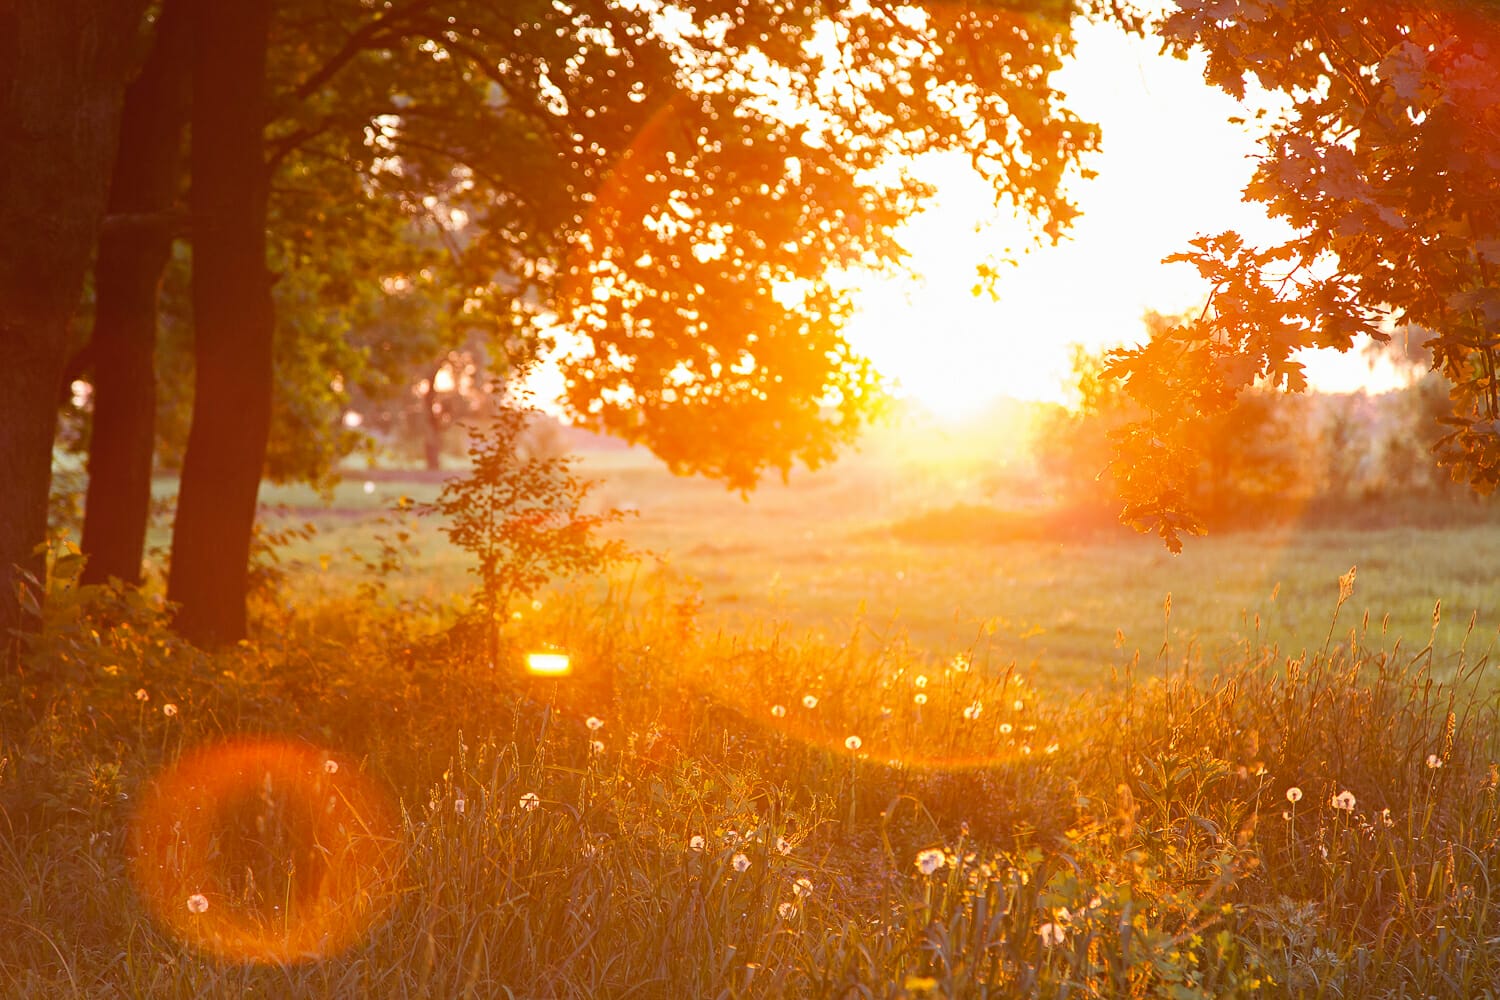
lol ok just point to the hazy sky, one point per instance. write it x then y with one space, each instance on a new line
1172 168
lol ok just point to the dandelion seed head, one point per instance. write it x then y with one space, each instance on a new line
1294 795
741 863
169 710
141 694
530 801
961 663
1344 800
594 723
783 846
1434 762
459 805
809 701
920 699
787 910
971 712
802 887
929 861
921 680
197 903
778 710
853 743
697 843
1052 935
330 766
1005 727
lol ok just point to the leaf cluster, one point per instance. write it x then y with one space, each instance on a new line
1383 157
522 514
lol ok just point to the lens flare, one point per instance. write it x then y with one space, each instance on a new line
258 851
548 664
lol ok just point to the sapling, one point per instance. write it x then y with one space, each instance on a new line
520 513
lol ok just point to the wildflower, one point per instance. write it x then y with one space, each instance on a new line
1052 935
920 699
783 846
802 887
594 724
696 843
929 861
787 910
809 701
971 712
921 681
778 711
530 801
1344 800
1005 727
169 710
459 805
741 863
853 743
1434 762
197 903
1294 795
141 694
331 766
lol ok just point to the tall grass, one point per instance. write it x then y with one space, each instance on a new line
761 815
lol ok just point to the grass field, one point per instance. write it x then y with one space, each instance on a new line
750 788
832 552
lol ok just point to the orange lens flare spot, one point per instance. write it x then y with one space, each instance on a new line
548 664
263 851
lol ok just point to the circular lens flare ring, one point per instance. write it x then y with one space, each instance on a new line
260 851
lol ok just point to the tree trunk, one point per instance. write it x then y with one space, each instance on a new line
233 319
133 251
63 67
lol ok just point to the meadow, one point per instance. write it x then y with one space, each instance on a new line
816 744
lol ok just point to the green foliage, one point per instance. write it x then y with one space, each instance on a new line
1382 159
521 515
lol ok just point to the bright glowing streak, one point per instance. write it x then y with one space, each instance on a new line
548 664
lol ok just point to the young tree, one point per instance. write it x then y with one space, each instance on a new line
63 68
1386 163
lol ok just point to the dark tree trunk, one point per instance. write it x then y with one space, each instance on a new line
133 251
232 315
432 427
63 68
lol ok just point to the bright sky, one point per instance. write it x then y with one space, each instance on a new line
1172 168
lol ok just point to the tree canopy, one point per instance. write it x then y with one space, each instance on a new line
1384 159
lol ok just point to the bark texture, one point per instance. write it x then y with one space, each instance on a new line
63 69
231 293
134 247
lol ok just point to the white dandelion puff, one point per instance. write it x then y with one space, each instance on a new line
530 801
697 843
1052 935
1344 800
920 699
169 710
853 743
929 861
809 701
330 766
197 903
1294 795
741 863
594 723
778 710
